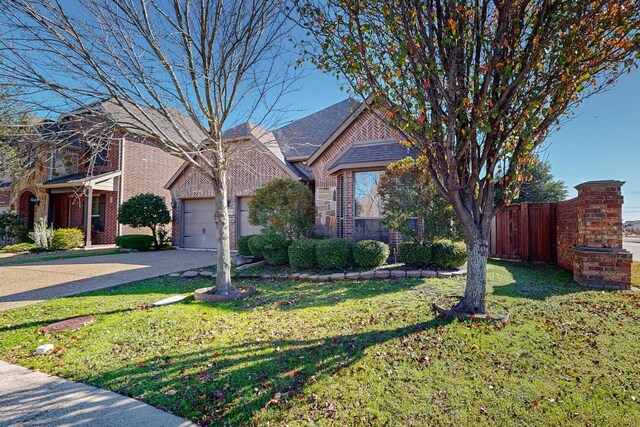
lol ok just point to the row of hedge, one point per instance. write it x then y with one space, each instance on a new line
338 254
309 254
139 242
440 254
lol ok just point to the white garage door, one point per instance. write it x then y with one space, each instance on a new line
246 228
199 230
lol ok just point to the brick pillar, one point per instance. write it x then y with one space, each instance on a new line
598 258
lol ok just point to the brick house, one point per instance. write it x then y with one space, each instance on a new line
339 152
82 167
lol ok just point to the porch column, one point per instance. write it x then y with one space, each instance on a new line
87 215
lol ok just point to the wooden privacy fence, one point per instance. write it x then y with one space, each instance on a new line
526 232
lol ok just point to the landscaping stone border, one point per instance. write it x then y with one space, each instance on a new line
354 276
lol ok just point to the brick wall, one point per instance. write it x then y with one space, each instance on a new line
600 214
250 167
567 232
109 233
598 257
604 268
146 170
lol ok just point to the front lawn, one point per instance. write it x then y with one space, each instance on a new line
345 353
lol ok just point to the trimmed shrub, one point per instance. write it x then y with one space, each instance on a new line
11 228
283 205
67 238
448 254
274 248
255 245
415 254
333 254
302 254
23 247
370 253
145 210
243 245
140 242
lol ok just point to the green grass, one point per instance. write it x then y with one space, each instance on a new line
7 259
363 353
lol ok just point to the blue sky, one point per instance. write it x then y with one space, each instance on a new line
602 141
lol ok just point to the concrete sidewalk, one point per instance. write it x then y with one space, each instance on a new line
30 398
30 283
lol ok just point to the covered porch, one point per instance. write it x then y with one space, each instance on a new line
89 203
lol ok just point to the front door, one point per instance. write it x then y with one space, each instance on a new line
60 210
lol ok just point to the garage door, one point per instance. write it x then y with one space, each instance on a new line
246 228
199 230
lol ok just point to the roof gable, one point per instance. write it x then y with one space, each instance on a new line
301 138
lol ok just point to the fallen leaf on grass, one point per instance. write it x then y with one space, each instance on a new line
171 392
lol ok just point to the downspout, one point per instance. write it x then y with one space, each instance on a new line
121 182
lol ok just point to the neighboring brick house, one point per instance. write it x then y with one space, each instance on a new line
63 185
339 151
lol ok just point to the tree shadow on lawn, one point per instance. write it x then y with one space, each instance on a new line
229 384
299 295
535 281
277 295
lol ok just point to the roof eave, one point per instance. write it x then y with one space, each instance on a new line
379 164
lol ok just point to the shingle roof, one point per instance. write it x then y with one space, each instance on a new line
79 178
146 121
363 153
302 137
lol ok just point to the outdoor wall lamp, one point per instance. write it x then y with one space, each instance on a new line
34 200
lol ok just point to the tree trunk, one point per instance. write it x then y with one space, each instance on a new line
154 233
223 267
473 301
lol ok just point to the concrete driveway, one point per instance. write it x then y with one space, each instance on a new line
633 246
26 284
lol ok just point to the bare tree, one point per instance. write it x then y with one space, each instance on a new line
180 71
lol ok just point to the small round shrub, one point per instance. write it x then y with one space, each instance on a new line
243 245
140 242
370 253
333 254
255 245
302 254
448 254
274 248
415 254
67 238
